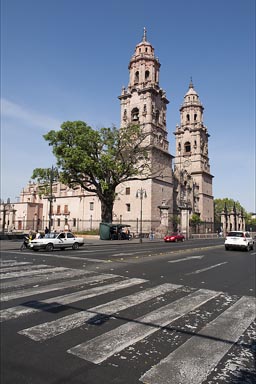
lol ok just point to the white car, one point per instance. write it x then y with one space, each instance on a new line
239 239
57 240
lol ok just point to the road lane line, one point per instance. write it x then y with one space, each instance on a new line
186 259
192 362
100 348
54 287
10 275
205 269
54 302
54 328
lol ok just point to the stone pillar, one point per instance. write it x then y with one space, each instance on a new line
162 230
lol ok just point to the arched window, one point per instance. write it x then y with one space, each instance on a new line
147 75
136 77
135 114
157 116
188 117
187 147
195 117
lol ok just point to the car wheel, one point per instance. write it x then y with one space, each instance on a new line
35 250
49 247
176 240
248 248
183 240
226 247
75 246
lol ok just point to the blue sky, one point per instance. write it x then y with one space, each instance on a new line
68 60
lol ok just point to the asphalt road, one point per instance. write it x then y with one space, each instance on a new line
124 312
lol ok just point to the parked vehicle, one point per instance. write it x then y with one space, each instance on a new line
174 237
239 239
61 240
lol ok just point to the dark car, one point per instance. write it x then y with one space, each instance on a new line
174 237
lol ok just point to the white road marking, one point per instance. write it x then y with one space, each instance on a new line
20 268
186 259
13 264
20 310
54 287
206 269
55 255
10 275
53 328
44 278
196 358
100 348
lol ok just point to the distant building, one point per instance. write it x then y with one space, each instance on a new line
182 188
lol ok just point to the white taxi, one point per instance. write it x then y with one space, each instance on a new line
53 241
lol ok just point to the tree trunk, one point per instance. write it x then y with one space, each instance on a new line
107 210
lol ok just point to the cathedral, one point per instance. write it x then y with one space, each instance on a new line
183 187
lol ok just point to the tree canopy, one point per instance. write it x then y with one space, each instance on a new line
100 160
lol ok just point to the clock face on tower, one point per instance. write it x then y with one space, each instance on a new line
187 163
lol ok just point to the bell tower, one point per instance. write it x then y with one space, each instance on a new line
143 102
192 169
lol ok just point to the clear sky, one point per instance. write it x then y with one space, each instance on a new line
68 60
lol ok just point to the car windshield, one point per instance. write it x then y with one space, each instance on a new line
236 234
50 235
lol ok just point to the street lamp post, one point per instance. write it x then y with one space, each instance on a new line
51 197
141 193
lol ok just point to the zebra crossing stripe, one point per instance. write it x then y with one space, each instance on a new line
100 348
44 278
192 362
11 275
17 268
55 287
53 328
44 305
13 264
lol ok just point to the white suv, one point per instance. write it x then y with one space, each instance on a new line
239 239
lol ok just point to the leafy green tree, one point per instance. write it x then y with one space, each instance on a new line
195 220
100 160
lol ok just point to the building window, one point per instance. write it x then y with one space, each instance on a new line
58 223
188 117
157 116
58 209
91 206
135 114
146 75
195 116
128 191
74 222
65 209
128 207
136 77
187 147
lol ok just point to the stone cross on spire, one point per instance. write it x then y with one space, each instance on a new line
144 34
